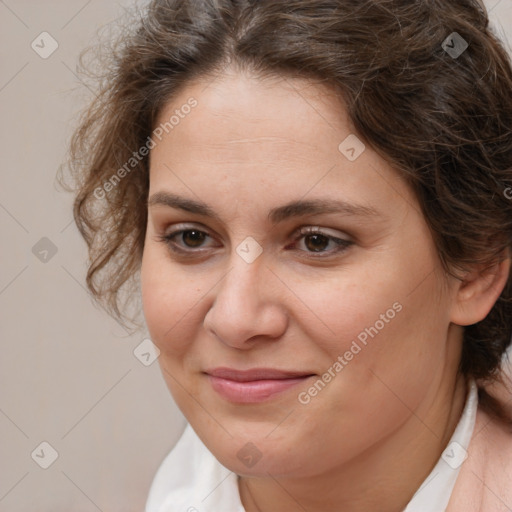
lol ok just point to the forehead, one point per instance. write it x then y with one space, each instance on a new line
238 109
283 134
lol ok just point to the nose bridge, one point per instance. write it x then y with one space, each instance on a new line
243 306
241 286
246 270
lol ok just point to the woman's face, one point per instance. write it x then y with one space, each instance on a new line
360 310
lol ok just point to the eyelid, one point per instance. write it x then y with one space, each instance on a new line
311 229
301 232
177 230
342 243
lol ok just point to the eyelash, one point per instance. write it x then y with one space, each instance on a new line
343 245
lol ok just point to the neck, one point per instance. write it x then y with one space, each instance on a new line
383 478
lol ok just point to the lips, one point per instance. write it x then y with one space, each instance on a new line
254 385
255 374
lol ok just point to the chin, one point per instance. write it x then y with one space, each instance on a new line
258 457
274 464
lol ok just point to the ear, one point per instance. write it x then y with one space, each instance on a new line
477 292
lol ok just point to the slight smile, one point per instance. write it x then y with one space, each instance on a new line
254 385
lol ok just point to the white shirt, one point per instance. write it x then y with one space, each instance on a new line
191 479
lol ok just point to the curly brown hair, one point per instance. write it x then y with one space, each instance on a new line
438 112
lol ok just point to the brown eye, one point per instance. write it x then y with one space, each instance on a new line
193 237
317 243
185 240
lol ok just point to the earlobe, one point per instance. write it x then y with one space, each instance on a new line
478 291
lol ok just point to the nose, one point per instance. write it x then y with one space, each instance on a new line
248 305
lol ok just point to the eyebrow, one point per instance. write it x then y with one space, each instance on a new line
278 214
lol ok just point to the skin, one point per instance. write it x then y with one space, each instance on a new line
370 437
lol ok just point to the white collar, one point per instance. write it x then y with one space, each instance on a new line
436 490
191 479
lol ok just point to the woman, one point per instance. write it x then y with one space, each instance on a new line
316 195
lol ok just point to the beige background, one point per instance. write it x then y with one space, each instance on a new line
68 372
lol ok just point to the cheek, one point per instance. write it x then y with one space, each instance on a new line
169 302
348 308
375 323
171 305
387 359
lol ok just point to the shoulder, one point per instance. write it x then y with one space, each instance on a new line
188 477
484 483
